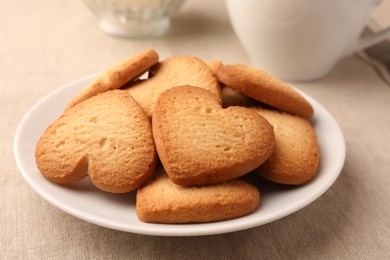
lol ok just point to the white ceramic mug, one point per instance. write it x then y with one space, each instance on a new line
301 39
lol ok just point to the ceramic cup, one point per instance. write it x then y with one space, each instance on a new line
301 39
134 18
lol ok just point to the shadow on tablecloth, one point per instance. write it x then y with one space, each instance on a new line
378 56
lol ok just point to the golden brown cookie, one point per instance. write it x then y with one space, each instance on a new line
201 143
173 72
107 137
214 65
162 201
296 155
262 86
117 75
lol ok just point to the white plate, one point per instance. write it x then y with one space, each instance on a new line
117 211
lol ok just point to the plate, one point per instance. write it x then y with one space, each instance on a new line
117 211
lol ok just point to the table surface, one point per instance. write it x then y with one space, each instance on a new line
44 44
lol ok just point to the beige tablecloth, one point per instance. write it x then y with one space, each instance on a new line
44 44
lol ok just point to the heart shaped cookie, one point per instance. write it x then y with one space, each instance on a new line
296 156
118 75
263 87
162 201
173 72
201 143
107 137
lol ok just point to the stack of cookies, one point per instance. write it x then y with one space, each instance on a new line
183 138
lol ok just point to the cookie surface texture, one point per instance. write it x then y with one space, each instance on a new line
107 137
162 201
296 156
214 65
173 72
262 86
200 143
117 75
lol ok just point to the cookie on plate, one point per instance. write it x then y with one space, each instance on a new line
117 75
296 156
262 86
200 143
107 137
230 96
173 72
162 201
214 65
